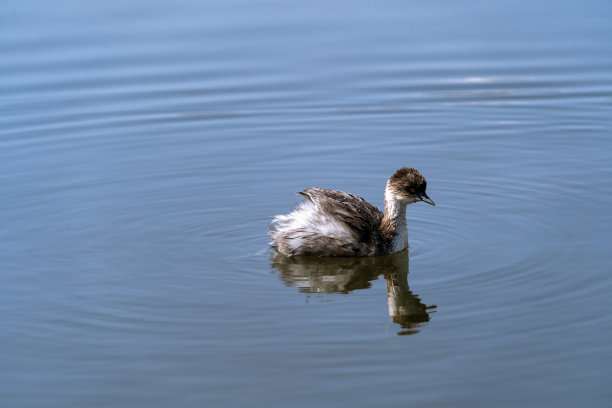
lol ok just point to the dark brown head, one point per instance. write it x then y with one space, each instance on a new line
408 184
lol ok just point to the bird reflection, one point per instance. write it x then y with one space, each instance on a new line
343 275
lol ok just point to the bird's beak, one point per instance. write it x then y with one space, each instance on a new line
426 199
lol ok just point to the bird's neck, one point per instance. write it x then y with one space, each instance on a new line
393 226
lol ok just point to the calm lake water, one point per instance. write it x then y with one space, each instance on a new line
145 147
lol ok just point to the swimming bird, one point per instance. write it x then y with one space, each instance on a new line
335 223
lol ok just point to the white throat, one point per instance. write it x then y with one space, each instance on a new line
395 211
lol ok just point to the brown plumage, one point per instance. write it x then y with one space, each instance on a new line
335 223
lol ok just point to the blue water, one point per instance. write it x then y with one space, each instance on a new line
145 147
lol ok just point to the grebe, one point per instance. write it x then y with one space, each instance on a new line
335 223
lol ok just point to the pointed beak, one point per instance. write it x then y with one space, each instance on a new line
426 199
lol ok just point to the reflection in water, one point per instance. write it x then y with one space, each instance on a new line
343 275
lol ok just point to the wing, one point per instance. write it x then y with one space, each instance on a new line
356 213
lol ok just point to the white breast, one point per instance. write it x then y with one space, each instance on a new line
395 206
400 240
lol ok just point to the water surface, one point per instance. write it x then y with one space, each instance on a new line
145 148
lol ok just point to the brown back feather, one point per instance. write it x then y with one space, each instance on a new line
361 217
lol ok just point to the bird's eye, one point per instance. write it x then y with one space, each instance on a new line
412 190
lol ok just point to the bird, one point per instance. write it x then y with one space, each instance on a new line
335 223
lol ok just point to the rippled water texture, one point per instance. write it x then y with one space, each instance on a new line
144 148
